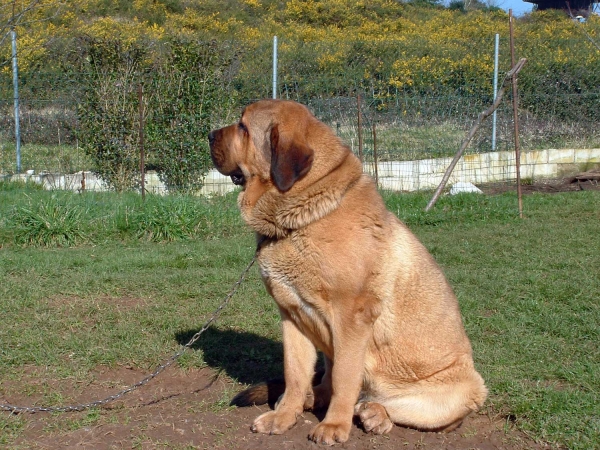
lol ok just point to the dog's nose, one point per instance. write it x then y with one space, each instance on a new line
211 138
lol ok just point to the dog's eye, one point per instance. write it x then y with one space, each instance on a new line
242 127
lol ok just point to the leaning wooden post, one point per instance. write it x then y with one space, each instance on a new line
515 101
480 118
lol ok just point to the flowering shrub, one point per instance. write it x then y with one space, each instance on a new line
383 48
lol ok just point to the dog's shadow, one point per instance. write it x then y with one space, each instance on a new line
245 357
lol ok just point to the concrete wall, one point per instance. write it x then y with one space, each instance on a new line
424 174
215 183
481 168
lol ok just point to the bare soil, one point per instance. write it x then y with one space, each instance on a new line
571 184
189 409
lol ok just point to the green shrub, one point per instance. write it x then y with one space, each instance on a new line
108 112
176 218
188 92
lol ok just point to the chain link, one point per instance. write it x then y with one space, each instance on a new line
147 379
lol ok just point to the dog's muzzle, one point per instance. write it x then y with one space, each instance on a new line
221 162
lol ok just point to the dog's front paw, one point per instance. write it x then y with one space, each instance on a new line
330 433
274 422
373 417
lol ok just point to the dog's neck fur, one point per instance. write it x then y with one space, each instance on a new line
274 214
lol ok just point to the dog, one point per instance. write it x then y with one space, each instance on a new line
350 281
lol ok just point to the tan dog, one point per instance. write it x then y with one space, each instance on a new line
350 280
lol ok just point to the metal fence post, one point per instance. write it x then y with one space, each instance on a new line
274 66
496 51
15 69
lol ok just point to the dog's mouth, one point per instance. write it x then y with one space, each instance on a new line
238 178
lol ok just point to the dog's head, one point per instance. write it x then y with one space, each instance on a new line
293 169
271 141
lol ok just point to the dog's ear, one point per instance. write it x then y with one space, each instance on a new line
291 159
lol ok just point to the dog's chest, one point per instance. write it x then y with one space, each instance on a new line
292 284
292 280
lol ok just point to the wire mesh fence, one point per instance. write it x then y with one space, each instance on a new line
415 107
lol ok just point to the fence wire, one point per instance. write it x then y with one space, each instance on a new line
410 127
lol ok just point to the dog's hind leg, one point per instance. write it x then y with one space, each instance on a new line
374 417
320 396
425 405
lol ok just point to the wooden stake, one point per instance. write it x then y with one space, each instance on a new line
142 155
360 141
515 100
375 156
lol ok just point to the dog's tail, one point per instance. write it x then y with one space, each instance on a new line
259 394
267 391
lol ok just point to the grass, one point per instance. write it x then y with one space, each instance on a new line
10 428
531 289
43 158
404 141
33 217
137 281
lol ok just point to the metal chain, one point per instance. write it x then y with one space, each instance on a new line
146 380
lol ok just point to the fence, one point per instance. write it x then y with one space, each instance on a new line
406 126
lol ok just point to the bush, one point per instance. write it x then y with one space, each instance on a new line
188 93
176 218
108 111
33 217
6 185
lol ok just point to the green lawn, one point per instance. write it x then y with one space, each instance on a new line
43 158
103 279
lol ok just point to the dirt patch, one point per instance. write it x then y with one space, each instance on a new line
189 409
120 303
551 186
